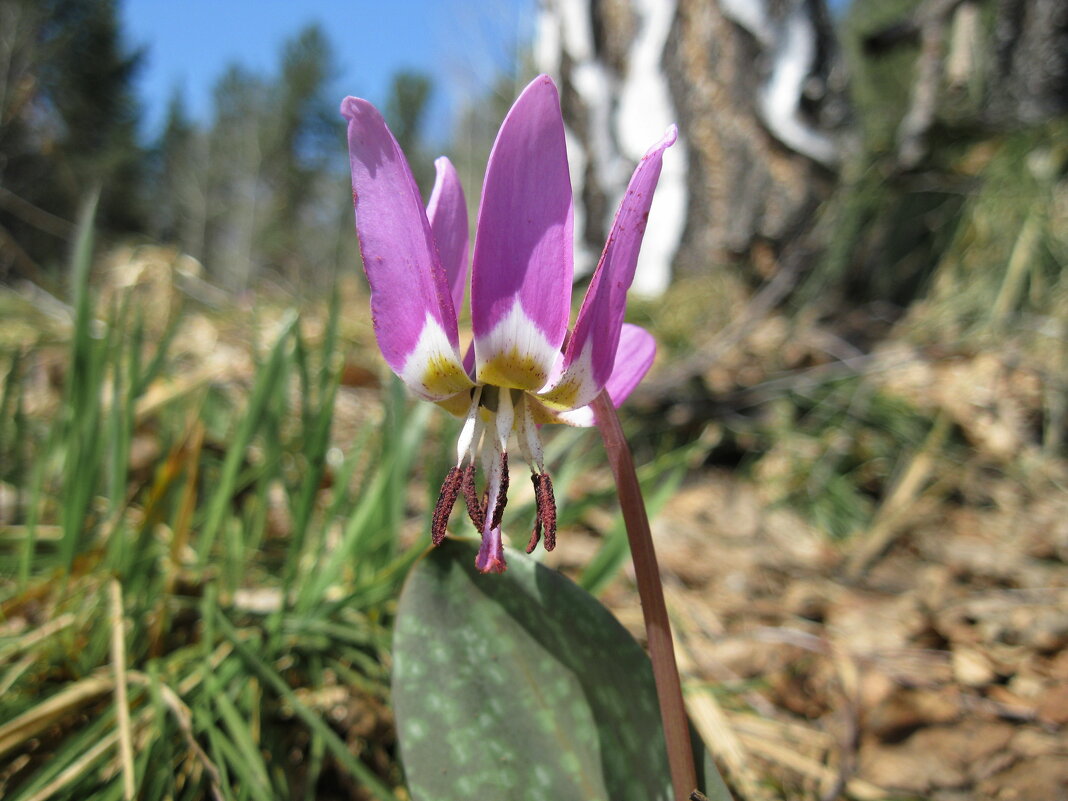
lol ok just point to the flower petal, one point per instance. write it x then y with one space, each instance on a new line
523 263
634 357
582 417
447 211
591 350
411 306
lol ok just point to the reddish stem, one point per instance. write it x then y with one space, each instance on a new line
651 592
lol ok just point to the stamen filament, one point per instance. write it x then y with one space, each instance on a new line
527 434
465 443
505 419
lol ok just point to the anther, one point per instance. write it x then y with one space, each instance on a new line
475 509
535 534
446 498
545 510
502 493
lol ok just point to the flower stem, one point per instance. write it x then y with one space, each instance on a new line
651 592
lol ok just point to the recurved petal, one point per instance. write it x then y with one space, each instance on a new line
447 212
523 263
411 306
582 417
634 357
591 351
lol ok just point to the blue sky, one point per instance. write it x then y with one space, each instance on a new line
189 43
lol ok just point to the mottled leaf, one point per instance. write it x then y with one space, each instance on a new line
522 686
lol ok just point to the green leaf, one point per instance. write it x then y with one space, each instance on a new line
521 686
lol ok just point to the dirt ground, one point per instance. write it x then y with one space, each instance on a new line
941 672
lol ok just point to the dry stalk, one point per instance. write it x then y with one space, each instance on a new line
76 768
122 704
35 720
16 670
719 735
42 632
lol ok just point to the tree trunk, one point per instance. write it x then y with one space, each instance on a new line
1030 80
757 91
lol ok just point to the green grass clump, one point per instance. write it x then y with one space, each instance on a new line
830 451
214 623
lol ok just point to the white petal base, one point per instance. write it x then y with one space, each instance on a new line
515 353
433 369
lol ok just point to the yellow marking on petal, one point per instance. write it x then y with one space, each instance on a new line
515 353
433 369
575 387
563 396
513 369
443 376
456 405
539 413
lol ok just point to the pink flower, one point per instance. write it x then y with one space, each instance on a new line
524 367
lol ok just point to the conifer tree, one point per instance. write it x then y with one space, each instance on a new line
68 122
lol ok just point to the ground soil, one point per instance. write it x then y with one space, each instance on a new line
941 672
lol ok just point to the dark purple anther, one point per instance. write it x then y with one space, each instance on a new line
502 494
446 498
475 510
545 512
